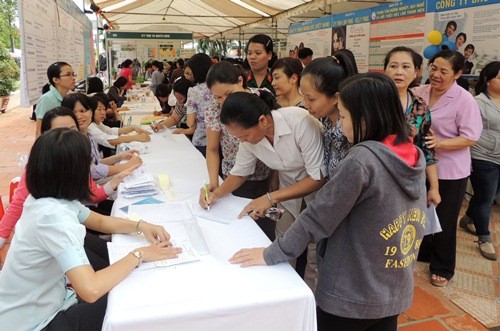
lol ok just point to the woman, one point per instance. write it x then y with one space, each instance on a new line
224 78
180 89
178 71
62 79
287 140
460 39
162 93
320 86
111 137
94 85
456 122
338 39
157 77
351 217
400 65
260 54
116 91
50 243
199 101
485 176
126 72
82 107
286 74
95 248
167 71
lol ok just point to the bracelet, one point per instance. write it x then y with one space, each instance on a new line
139 232
270 199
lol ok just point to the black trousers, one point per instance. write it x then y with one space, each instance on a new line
440 249
329 322
97 251
82 316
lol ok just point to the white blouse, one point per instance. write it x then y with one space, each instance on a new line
102 133
297 152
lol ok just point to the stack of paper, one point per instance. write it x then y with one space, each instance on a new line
119 251
139 183
162 213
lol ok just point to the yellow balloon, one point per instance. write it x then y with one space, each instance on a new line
435 37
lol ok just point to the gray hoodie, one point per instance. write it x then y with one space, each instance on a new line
487 147
370 218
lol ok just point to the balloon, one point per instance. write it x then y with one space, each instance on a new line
450 44
430 50
435 37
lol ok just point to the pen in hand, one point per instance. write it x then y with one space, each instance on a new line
205 187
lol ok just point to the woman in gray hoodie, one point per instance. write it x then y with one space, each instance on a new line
369 218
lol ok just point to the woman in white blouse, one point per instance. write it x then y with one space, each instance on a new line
110 137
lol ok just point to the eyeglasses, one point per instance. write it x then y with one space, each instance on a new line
69 74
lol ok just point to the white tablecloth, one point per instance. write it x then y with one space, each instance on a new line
210 294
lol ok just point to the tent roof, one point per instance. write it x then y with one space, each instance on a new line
222 18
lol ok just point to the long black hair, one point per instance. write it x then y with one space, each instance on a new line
373 102
245 109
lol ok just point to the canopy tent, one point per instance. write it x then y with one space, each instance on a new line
221 19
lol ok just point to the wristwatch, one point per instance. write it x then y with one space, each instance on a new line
138 255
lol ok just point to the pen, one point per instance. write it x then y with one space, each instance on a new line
205 187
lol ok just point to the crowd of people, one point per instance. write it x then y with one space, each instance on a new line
341 169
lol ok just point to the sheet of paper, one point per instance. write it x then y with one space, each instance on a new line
147 201
162 213
224 210
119 251
432 224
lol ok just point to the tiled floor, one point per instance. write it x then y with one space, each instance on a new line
432 309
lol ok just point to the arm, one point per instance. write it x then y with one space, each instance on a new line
449 144
191 122
168 122
297 190
38 131
133 162
317 221
91 285
142 137
14 211
433 195
129 129
213 157
231 183
123 156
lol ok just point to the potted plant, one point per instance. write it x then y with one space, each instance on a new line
9 76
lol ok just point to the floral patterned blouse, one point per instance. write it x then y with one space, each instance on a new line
201 100
335 144
229 145
418 116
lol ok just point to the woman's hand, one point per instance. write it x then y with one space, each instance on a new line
127 155
118 178
160 251
154 233
431 141
140 131
212 197
249 257
179 131
256 208
136 159
433 197
143 137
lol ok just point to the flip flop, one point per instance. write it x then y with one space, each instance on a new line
442 282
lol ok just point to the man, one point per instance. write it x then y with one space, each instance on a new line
468 64
305 56
450 29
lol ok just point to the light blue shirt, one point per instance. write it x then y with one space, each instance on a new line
48 243
48 101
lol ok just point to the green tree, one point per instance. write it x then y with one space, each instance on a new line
9 33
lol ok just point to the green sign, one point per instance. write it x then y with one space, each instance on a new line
149 35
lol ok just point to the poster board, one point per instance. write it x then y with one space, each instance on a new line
315 34
477 24
52 31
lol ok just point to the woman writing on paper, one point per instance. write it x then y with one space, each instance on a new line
49 242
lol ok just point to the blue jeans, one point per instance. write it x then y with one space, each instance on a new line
485 179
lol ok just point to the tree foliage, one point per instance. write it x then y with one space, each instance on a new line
9 72
9 33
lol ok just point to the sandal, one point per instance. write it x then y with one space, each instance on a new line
438 281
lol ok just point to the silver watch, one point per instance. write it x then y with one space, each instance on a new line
138 255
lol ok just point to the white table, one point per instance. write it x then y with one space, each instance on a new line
210 294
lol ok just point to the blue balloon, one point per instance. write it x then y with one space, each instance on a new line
430 50
450 44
